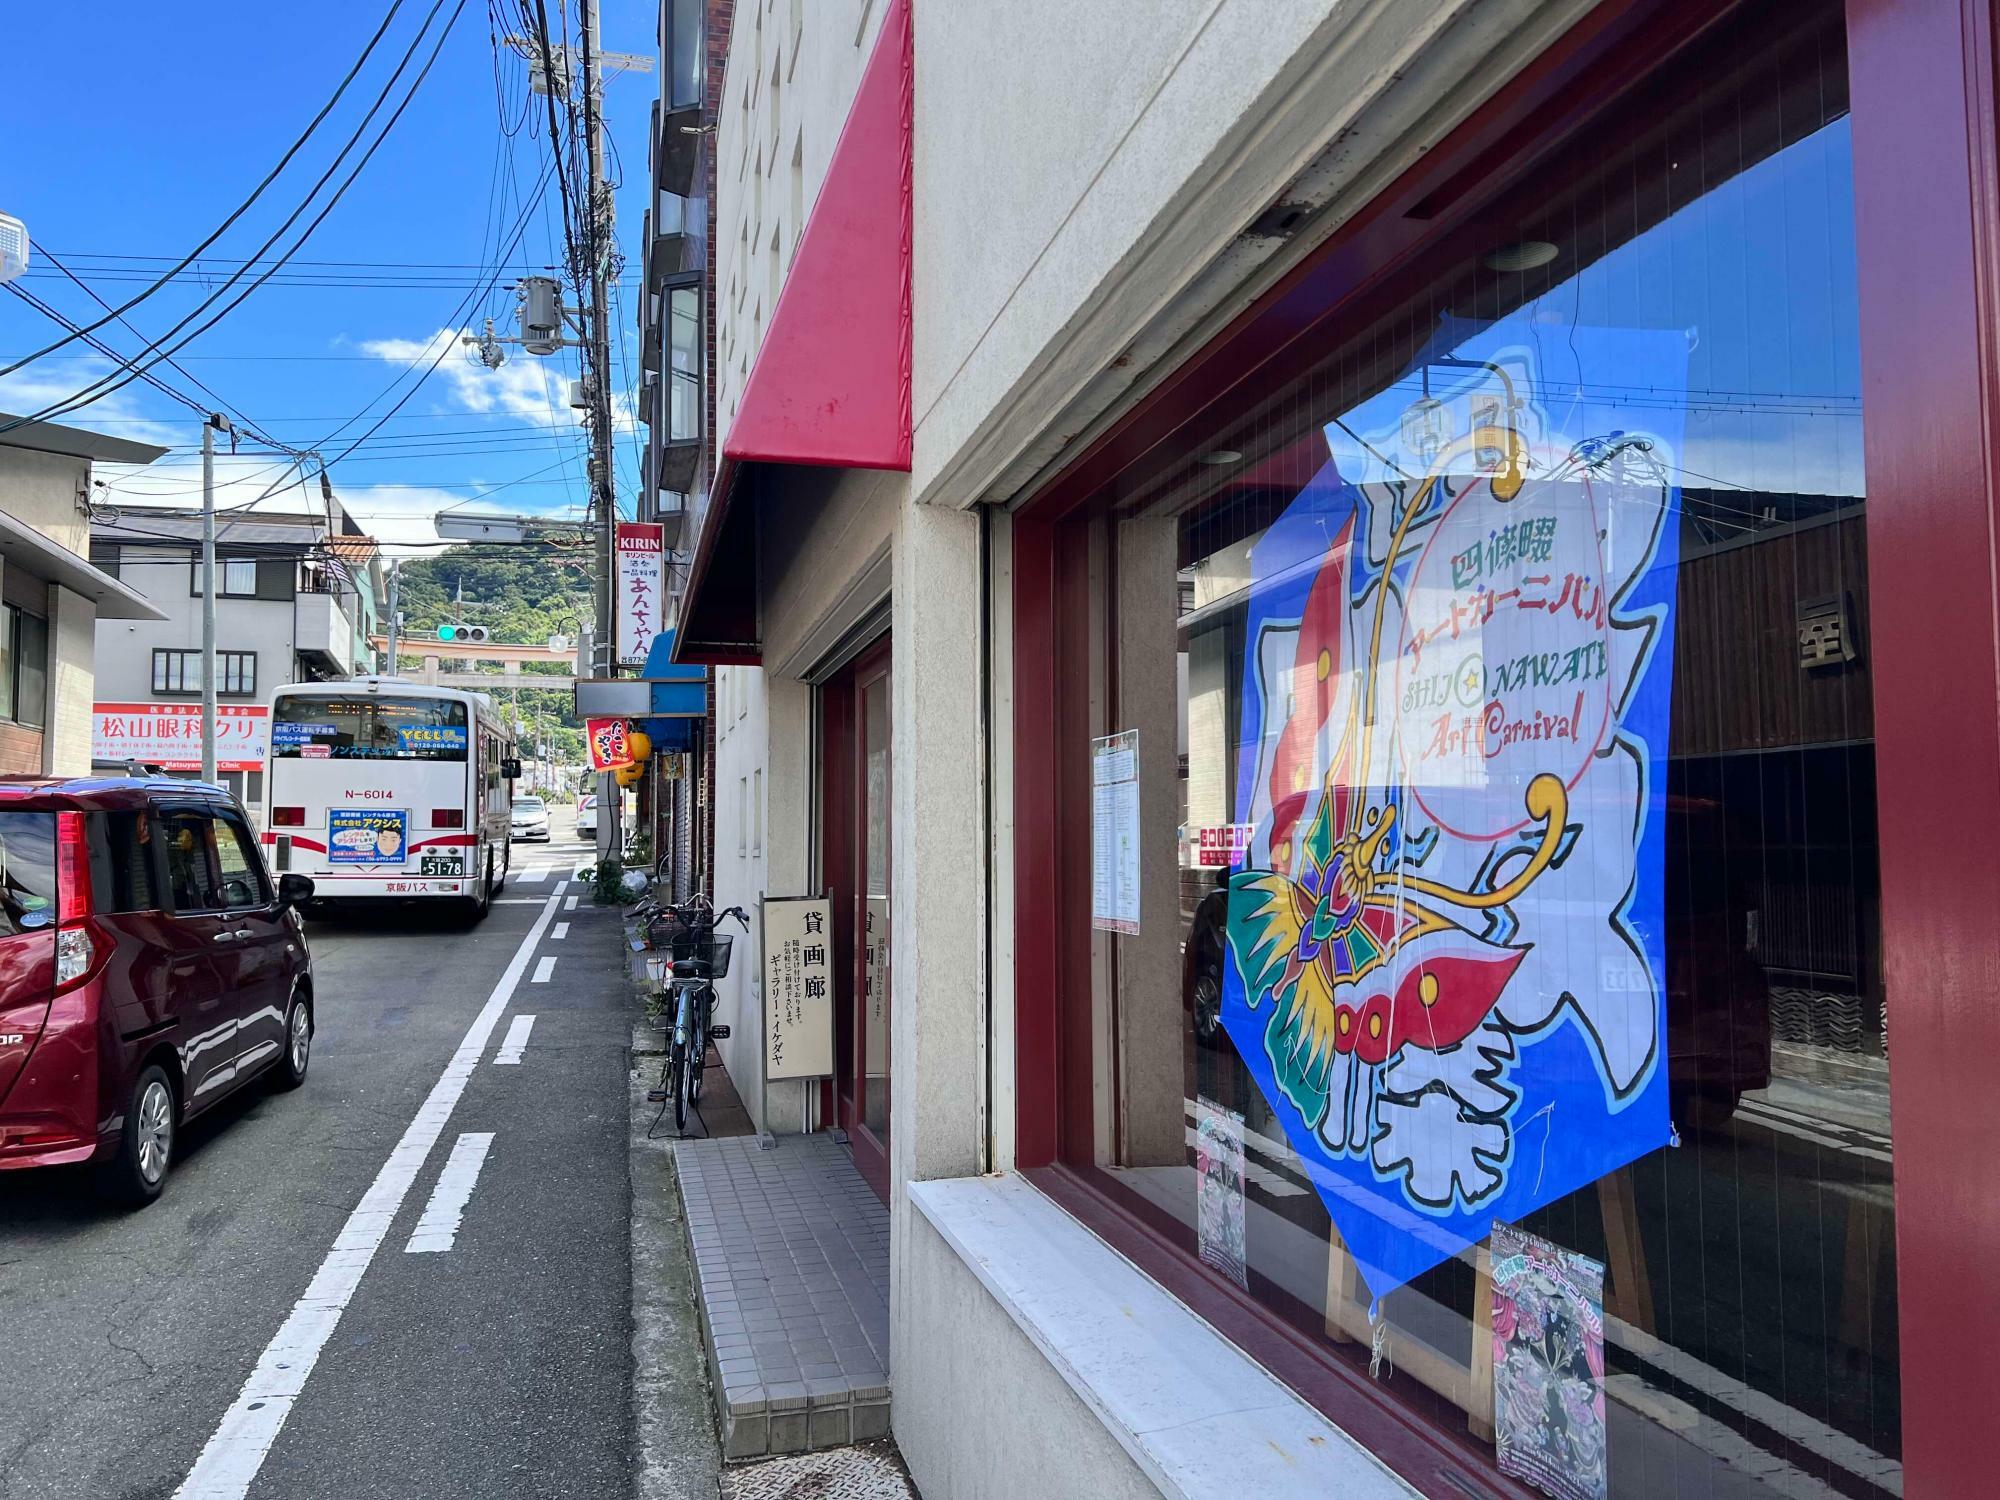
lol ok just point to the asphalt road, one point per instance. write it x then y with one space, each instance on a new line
498 1366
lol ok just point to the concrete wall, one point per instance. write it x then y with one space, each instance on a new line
979 1412
40 491
1087 176
72 668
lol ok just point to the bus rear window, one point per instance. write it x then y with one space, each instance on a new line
339 726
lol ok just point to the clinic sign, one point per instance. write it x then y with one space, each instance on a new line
640 566
168 735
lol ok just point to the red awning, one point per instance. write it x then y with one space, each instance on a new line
831 383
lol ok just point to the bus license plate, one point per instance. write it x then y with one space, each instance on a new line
448 862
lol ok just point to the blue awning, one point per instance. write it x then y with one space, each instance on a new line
679 689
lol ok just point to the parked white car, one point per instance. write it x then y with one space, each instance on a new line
586 817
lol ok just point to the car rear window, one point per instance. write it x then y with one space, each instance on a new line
27 872
527 804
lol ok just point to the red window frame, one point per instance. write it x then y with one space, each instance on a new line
1922 81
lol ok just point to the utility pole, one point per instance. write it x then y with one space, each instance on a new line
596 217
216 422
395 616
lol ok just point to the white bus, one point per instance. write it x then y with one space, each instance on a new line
380 787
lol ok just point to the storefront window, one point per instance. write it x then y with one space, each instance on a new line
1486 916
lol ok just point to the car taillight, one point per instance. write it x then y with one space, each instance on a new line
447 817
75 951
288 817
72 869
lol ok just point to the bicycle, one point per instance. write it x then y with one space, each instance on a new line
699 956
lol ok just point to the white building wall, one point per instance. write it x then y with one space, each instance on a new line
72 670
741 838
125 647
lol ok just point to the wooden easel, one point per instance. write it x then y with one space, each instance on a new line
1628 1295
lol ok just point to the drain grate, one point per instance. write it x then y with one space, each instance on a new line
869 1472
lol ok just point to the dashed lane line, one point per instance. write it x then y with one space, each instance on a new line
515 1042
437 1230
235 1451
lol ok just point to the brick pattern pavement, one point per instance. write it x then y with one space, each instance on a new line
791 1264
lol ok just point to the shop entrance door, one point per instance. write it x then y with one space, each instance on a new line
858 780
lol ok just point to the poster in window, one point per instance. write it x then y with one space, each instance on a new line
1447 924
1218 1162
1114 832
1548 1366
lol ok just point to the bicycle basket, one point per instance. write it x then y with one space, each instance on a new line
719 950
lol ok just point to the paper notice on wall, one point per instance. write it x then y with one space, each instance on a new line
1218 1161
1548 1365
1114 832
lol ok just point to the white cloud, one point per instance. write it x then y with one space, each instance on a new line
524 386
26 392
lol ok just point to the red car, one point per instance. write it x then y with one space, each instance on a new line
149 968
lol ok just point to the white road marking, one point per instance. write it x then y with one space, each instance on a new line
515 1042
519 900
544 967
561 932
437 1230
539 872
570 904
235 1451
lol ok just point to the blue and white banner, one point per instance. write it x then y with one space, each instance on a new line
1449 967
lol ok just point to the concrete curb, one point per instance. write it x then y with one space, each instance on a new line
676 1455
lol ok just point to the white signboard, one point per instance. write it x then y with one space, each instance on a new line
168 735
1114 832
798 986
641 567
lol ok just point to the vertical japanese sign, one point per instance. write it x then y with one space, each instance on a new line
168 735
798 987
641 570
1114 832
875 988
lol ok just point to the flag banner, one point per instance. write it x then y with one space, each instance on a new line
1446 924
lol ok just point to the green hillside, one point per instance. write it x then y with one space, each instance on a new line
520 595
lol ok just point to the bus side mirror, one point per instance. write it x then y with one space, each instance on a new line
510 769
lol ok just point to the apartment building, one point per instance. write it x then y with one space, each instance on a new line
51 597
297 598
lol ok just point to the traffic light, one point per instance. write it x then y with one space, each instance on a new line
462 635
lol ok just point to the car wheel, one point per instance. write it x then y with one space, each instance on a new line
136 1175
291 1069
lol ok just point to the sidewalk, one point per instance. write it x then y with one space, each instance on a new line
784 1240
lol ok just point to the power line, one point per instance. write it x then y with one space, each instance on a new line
106 385
243 207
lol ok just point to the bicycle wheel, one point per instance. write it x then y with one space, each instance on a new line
679 1086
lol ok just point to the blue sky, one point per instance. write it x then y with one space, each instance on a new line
133 129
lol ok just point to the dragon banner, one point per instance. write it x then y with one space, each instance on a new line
1447 932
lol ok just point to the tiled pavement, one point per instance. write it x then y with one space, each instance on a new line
791 1263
